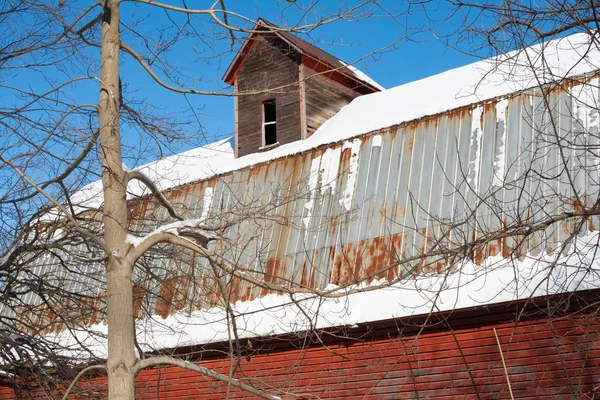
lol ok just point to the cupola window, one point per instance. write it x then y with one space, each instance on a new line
269 123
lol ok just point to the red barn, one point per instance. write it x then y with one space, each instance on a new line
433 240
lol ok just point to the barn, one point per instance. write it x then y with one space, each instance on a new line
433 240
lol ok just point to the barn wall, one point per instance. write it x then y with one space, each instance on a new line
271 70
351 209
354 208
549 359
323 98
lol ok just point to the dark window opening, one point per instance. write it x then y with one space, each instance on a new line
270 122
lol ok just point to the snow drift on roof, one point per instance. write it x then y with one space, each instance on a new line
571 56
361 75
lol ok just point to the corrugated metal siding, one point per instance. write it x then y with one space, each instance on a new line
373 205
339 213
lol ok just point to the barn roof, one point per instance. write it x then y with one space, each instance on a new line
476 83
302 47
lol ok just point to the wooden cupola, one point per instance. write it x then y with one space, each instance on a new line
287 88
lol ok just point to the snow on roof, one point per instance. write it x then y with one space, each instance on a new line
473 83
567 57
361 75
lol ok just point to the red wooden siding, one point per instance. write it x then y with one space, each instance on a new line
546 359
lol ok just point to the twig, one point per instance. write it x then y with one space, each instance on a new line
166 360
79 375
503 364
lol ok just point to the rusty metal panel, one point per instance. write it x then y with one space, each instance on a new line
392 192
344 211
374 179
402 198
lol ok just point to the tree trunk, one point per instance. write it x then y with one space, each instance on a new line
121 357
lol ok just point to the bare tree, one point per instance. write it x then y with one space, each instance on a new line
56 140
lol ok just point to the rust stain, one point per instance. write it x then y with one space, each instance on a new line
234 285
494 248
247 295
436 122
303 273
358 262
167 291
347 261
479 255
505 250
272 268
180 296
378 256
394 250
139 291
137 208
552 242
440 265
428 122
254 172
334 223
489 107
345 159
384 209
566 226
212 292
425 240
314 269
174 194
334 261
96 307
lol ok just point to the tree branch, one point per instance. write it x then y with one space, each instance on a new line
79 375
166 360
139 176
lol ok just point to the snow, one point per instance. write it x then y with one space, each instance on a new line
330 164
362 76
585 110
170 228
312 186
376 142
346 200
500 161
324 169
466 85
474 83
468 285
475 148
206 202
179 169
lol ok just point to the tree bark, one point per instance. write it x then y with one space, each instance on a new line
121 358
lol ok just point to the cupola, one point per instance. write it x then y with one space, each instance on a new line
286 88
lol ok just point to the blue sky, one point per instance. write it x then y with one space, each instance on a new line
410 57
382 43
